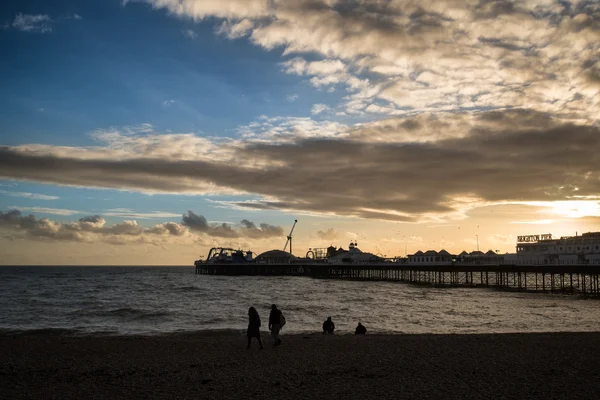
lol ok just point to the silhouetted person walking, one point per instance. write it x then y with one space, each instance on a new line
275 324
253 326
328 326
360 329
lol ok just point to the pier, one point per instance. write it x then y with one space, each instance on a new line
581 280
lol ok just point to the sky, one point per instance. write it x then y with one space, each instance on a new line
148 131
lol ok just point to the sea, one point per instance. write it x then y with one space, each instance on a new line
170 300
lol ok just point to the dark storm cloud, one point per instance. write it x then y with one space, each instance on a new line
494 8
505 156
249 229
94 219
504 44
198 223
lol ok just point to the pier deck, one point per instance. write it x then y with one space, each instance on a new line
569 279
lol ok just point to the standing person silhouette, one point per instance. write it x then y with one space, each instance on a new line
275 324
328 326
253 327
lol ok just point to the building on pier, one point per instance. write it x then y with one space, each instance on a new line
355 256
568 250
480 258
431 257
531 250
275 257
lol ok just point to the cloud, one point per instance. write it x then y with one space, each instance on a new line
93 228
318 109
329 234
190 34
235 30
299 66
535 222
291 97
54 211
286 129
198 223
501 240
200 9
34 196
403 169
39 23
87 229
168 102
124 213
488 54
249 229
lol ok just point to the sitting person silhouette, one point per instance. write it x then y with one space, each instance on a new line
328 326
360 329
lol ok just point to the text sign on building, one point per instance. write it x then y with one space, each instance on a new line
534 238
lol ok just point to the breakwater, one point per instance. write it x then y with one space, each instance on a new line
569 279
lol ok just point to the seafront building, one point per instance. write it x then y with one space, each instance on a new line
530 250
568 250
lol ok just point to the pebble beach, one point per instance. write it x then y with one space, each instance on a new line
217 365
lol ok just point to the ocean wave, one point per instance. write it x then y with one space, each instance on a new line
137 312
39 331
124 312
10 278
205 332
42 301
217 320
187 289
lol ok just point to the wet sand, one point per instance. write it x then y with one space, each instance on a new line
218 366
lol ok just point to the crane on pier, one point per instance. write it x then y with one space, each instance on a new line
289 237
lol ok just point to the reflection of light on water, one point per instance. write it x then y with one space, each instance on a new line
161 300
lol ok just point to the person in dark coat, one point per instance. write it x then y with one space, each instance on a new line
360 329
275 324
328 326
253 326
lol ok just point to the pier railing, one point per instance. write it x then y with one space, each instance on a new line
572 279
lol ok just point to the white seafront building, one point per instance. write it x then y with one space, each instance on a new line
530 250
567 250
